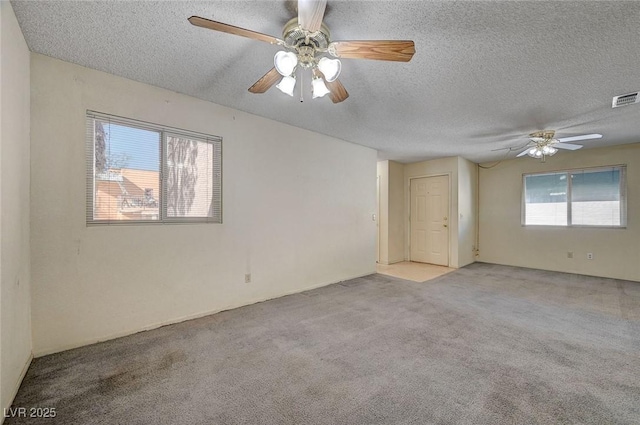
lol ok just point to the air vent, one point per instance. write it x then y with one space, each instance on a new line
625 99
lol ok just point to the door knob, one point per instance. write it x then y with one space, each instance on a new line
444 225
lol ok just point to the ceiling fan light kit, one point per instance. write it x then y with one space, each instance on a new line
540 152
308 46
286 63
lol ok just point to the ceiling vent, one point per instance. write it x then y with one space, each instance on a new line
625 99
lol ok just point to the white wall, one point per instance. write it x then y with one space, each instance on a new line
297 214
383 212
503 240
15 340
391 212
467 210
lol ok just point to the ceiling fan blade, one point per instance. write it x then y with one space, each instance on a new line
337 92
230 29
567 146
265 83
523 153
384 50
310 14
583 137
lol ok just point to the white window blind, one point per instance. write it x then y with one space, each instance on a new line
142 172
597 197
586 197
546 199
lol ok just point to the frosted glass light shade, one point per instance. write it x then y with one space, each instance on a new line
285 62
539 152
330 68
287 85
319 88
535 153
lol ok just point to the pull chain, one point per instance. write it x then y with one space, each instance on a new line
301 85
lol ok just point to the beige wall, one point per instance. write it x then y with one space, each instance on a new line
391 212
15 341
396 212
504 240
297 215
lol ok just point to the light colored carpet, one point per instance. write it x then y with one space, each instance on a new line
485 344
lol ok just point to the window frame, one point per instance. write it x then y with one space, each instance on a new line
164 133
568 172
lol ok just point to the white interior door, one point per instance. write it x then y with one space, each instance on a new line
430 220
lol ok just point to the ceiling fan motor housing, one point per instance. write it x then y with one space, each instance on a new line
545 134
305 43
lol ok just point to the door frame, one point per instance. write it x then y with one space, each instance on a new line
377 220
449 208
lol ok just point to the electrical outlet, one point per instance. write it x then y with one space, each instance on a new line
589 255
247 278
569 254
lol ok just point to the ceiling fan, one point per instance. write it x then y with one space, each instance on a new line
307 46
543 144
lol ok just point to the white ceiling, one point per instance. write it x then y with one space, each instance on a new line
485 74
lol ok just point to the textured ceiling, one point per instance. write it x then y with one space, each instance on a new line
485 74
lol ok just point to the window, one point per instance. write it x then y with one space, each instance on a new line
589 197
140 172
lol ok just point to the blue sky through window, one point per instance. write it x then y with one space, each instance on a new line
134 148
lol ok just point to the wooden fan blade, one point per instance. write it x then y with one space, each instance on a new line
384 50
337 92
230 29
265 83
310 14
567 146
523 153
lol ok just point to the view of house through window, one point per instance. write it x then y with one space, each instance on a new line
144 172
189 182
588 197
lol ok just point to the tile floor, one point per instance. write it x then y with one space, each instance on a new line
418 272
